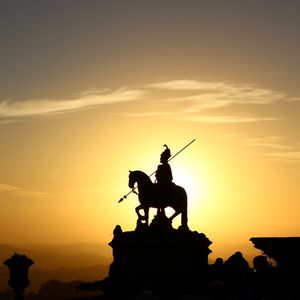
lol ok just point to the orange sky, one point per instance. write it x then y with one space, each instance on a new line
90 91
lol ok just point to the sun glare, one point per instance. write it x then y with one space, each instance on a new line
185 178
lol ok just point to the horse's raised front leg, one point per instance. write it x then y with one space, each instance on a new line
146 213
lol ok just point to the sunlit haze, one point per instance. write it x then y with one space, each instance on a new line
91 90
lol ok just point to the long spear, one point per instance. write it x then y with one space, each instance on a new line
132 190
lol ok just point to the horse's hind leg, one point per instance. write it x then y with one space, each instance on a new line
176 213
184 220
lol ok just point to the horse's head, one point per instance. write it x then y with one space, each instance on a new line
138 177
132 179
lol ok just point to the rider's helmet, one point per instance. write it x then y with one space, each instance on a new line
166 154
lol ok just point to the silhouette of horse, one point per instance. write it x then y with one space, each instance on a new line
150 196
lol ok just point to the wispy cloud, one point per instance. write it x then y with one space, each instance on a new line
276 148
21 192
293 99
287 156
94 97
33 194
207 95
163 114
200 101
8 188
229 119
221 119
188 85
185 100
274 142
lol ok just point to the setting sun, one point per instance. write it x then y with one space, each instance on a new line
193 186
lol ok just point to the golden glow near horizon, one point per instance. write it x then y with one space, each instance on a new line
77 172
81 105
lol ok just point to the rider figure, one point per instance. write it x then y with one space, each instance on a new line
164 175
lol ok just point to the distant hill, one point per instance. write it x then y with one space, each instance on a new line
83 261
80 261
38 277
56 256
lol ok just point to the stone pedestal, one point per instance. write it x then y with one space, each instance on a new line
160 253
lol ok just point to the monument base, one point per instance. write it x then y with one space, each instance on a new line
160 253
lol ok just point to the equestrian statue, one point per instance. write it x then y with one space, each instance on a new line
159 194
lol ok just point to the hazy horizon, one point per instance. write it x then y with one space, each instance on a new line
104 251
